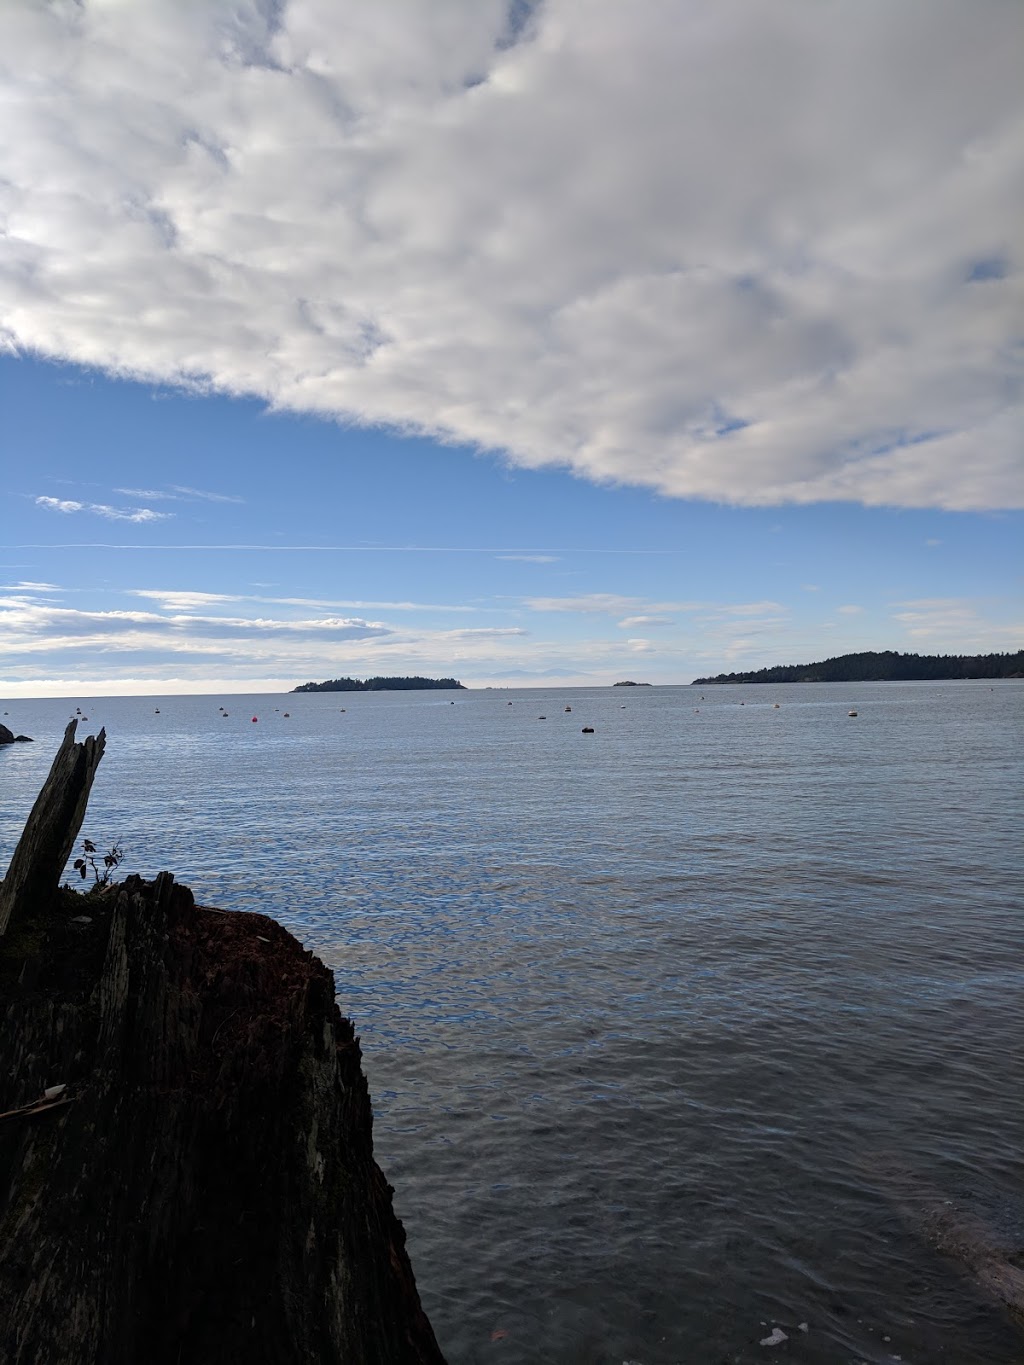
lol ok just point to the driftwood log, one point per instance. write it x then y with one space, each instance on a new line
186 1155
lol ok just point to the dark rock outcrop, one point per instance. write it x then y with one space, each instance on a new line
204 1189
9 737
186 1153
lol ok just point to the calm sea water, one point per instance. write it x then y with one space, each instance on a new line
669 1028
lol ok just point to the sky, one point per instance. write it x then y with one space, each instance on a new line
508 341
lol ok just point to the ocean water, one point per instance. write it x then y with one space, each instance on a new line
677 1032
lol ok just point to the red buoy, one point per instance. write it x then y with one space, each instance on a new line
255 719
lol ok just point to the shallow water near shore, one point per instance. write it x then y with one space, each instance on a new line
674 1031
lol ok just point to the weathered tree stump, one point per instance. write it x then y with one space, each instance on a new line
202 1190
52 827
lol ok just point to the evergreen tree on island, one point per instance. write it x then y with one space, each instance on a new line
382 685
885 666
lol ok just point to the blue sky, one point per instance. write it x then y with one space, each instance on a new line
643 346
290 548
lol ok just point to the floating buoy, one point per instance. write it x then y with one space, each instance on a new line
851 713
568 708
287 714
255 719
588 730
542 717
775 707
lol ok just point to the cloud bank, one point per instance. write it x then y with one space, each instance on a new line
745 252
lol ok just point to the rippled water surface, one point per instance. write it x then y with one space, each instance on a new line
676 1032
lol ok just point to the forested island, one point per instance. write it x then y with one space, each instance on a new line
883 666
381 685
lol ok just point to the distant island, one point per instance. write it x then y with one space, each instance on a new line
381 685
885 666
628 683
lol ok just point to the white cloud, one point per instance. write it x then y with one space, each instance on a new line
482 633
102 509
749 609
629 622
747 252
606 603
956 625
851 610
183 601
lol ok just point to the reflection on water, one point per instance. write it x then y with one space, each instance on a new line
647 1014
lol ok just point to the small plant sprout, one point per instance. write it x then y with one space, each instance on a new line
101 865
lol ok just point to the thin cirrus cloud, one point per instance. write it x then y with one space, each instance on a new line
175 600
640 611
102 509
530 559
178 492
752 253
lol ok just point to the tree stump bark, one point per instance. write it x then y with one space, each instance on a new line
186 1152
52 827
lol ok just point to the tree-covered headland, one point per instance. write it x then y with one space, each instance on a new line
884 666
380 685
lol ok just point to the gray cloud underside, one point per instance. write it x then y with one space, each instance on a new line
756 253
23 622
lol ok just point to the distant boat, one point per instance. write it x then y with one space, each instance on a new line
851 713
